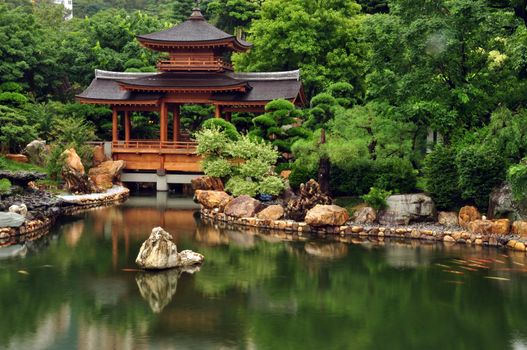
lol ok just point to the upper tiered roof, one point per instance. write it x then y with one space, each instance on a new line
195 32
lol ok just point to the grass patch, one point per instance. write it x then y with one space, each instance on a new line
5 185
6 164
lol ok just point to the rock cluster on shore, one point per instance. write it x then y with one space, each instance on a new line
409 216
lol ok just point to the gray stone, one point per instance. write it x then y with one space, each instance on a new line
405 208
503 205
37 152
190 258
11 219
447 218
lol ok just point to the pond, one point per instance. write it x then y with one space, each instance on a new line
79 288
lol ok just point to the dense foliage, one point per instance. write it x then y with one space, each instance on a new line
407 92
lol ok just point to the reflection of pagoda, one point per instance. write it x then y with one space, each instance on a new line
196 72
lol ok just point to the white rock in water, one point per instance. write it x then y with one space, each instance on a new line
159 252
18 209
190 258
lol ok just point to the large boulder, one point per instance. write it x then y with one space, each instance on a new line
327 215
159 252
37 152
21 178
364 216
309 196
497 227
468 214
272 212
11 219
72 160
405 208
106 174
212 199
243 207
76 181
98 155
447 218
207 183
520 228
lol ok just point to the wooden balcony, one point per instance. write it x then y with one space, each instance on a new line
154 155
193 64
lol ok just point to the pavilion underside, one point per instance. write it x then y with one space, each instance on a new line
165 92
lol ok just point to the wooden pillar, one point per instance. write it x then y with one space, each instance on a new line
217 113
228 116
177 124
163 120
127 126
115 123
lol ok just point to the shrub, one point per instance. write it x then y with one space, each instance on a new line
517 177
301 173
396 175
376 198
222 125
239 186
479 170
441 178
272 185
355 178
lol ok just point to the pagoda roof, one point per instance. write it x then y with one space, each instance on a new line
143 88
194 31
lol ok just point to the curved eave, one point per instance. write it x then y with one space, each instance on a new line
162 45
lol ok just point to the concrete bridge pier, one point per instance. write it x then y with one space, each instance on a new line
161 179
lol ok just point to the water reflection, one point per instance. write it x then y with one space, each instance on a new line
257 289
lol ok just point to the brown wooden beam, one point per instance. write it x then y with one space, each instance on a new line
115 123
163 121
137 108
243 109
127 125
176 134
217 112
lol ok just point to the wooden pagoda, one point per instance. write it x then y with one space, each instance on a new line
195 72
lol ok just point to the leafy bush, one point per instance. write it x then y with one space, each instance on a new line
479 170
441 178
396 175
223 125
15 130
245 164
376 198
355 178
517 177
301 173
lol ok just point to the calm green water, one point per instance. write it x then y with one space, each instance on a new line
73 289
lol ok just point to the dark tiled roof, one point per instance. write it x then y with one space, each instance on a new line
105 87
185 80
261 86
195 29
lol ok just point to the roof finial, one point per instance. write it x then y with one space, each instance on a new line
196 12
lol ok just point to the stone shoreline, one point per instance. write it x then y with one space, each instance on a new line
36 228
434 233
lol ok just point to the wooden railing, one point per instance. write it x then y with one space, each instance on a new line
154 146
193 64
